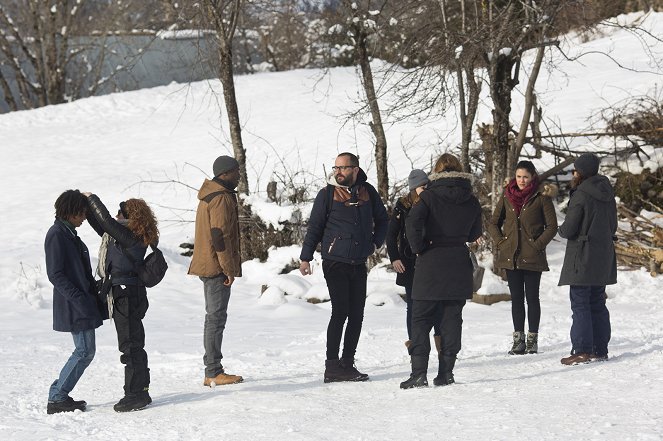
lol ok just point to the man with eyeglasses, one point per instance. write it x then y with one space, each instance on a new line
349 220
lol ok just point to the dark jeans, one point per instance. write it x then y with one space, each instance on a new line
448 314
590 331
408 314
129 307
347 290
525 284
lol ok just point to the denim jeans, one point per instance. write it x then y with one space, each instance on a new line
217 296
80 359
590 331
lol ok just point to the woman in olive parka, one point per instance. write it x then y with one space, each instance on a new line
522 225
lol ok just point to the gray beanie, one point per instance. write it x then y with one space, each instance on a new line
587 165
224 164
416 179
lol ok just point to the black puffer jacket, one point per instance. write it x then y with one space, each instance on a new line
438 227
589 227
356 226
118 264
398 246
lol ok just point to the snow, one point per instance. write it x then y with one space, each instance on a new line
159 144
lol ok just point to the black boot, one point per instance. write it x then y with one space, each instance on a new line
68 405
133 402
335 371
418 375
349 365
445 374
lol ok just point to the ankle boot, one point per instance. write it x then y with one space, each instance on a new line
445 374
518 347
418 375
348 364
532 345
438 343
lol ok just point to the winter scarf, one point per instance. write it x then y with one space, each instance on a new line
518 197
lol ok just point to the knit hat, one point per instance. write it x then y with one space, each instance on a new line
587 165
224 164
416 179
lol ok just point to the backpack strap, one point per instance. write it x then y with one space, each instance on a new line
330 200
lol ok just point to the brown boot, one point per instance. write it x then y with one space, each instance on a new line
576 359
222 379
408 344
438 343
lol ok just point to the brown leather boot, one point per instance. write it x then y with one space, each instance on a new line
222 379
576 359
438 343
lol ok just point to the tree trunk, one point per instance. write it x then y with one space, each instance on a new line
376 124
228 83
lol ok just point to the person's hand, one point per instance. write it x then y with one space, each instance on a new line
305 268
87 193
229 280
398 266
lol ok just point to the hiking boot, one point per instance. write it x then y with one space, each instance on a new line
68 405
532 345
335 371
574 359
596 357
222 379
415 380
349 365
133 402
518 347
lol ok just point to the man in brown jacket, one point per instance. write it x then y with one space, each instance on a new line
216 260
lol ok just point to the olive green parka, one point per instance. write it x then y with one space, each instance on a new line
520 241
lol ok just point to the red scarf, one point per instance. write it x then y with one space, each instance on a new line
518 197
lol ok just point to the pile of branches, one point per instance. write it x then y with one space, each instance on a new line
642 244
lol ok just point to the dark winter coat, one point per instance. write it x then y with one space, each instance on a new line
69 270
355 227
590 227
125 244
521 240
398 247
438 227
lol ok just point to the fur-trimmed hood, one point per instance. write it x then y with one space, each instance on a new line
453 174
453 187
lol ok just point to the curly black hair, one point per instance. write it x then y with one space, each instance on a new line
70 203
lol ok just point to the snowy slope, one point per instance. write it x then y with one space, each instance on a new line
138 143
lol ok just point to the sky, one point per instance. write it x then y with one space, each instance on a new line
159 144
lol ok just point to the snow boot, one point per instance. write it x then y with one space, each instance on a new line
222 379
335 371
532 345
518 347
445 374
68 405
349 365
133 402
418 375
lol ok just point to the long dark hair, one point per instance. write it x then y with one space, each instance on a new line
527 165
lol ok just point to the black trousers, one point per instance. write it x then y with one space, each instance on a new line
449 314
129 307
347 290
524 284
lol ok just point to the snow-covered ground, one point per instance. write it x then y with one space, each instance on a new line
139 143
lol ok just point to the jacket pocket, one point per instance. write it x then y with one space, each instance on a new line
337 244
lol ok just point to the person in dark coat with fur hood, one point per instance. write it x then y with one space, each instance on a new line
522 225
590 262
398 248
438 229
75 307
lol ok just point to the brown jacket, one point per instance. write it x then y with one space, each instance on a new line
216 246
521 240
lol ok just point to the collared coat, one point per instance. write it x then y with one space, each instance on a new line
590 227
69 270
521 240
438 227
216 248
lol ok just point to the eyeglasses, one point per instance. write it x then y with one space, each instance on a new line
342 167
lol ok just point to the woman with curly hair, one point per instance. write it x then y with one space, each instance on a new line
135 230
